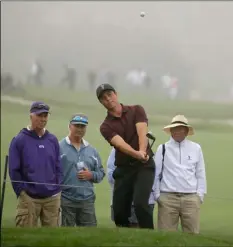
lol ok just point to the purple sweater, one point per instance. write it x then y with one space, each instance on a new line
35 159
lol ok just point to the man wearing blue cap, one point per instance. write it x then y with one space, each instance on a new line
35 171
82 168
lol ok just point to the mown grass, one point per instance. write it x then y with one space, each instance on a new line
103 237
215 139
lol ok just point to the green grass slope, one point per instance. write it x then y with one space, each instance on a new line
103 237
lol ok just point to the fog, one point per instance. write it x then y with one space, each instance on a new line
191 40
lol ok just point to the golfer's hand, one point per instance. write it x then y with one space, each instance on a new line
85 175
142 156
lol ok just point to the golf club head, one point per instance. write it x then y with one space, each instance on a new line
150 136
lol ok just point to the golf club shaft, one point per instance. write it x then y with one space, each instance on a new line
3 189
152 143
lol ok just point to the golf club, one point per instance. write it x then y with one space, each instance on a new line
150 136
3 189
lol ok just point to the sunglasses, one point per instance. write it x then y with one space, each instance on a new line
79 119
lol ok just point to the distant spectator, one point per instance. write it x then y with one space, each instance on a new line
91 76
70 77
36 74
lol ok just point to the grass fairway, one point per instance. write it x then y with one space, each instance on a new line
216 141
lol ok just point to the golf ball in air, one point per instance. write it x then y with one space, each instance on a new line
142 14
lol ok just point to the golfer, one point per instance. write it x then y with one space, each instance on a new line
180 178
35 169
125 128
110 169
82 168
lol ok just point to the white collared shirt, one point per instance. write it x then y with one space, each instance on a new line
84 142
29 128
184 168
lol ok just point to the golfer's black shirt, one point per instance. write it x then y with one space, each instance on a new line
124 126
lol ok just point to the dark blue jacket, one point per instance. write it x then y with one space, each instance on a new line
35 159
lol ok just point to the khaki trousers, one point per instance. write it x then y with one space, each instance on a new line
175 206
29 210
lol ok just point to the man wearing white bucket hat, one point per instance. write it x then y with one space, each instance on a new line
180 178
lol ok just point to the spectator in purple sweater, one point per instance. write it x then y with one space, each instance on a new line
35 169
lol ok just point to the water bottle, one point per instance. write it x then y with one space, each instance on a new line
80 166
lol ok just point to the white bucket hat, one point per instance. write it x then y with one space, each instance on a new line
179 120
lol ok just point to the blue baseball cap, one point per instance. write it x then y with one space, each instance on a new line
39 107
79 118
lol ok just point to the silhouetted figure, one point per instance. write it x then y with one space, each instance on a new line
7 82
70 77
91 75
36 73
